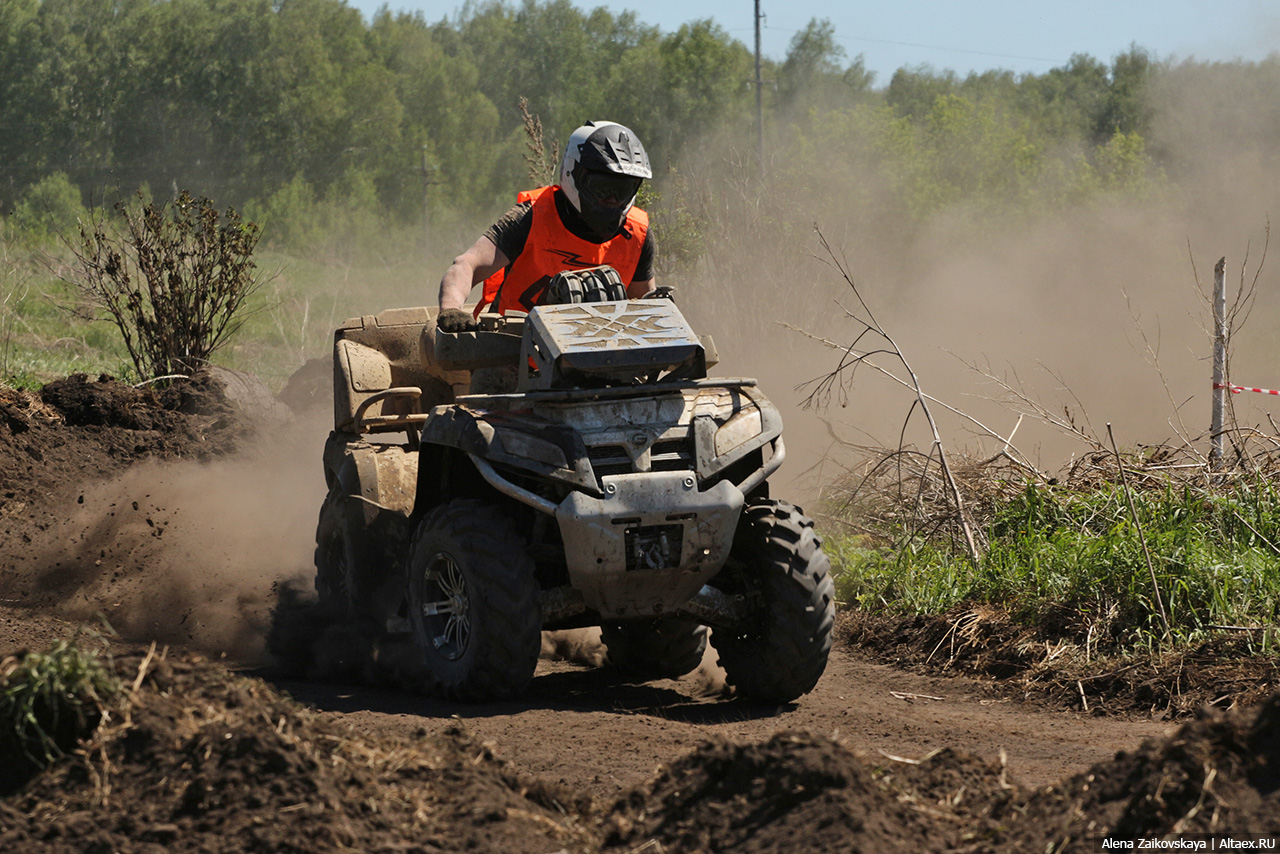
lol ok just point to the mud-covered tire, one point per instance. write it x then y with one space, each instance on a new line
473 603
655 649
334 558
778 560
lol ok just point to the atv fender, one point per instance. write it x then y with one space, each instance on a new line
382 477
522 441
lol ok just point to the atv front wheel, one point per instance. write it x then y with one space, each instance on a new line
473 602
777 560
655 649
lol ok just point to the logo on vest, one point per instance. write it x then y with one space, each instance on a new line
572 259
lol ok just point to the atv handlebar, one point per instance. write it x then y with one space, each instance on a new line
496 343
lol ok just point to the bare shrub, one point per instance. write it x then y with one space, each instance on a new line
541 161
175 279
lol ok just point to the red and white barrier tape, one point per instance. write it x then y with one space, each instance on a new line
1236 389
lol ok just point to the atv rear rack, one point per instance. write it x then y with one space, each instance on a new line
389 423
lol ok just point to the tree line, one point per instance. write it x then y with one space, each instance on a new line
306 114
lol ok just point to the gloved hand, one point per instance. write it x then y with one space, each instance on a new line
455 320
661 292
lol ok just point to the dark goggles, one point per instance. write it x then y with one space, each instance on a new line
606 186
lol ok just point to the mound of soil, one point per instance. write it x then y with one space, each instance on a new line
795 792
196 757
88 512
1218 775
199 759
78 429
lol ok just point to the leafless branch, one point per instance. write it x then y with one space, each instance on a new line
1151 355
855 355
864 360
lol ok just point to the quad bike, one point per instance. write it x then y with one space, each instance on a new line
617 486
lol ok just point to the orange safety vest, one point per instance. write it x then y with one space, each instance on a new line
552 248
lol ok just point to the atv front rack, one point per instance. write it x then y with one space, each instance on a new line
607 392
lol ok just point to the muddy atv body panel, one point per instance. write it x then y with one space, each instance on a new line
615 485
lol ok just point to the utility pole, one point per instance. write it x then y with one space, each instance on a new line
759 99
426 209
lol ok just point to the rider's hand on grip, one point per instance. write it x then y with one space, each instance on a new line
455 320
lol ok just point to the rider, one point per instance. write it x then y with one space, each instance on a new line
589 219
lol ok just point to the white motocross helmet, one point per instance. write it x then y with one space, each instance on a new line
604 166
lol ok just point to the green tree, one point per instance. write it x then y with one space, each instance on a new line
1122 164
814 74
1063 102
700 85
20 135
1125 107
447 121
913 92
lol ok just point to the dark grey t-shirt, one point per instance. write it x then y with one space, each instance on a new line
511 232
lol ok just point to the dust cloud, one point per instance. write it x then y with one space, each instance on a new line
1096 313
191 553
581 646
584 647
709 678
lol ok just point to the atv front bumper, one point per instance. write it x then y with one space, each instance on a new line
650 544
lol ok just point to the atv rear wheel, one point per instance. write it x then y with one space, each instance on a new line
334 558
655 649
777 559
473 602
356 578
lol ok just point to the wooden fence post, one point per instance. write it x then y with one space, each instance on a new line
1219 362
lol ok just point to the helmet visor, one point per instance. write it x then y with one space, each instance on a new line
609 189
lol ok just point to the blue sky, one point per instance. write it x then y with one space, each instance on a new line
1024 36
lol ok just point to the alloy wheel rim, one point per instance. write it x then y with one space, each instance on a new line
444 608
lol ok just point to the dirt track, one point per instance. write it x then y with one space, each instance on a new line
582 728
188 547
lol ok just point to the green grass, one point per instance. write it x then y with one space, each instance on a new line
49 700
1073 559
42 338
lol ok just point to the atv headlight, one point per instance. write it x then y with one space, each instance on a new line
744 426
519 444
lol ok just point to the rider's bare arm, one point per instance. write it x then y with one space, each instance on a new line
469 269
636 290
